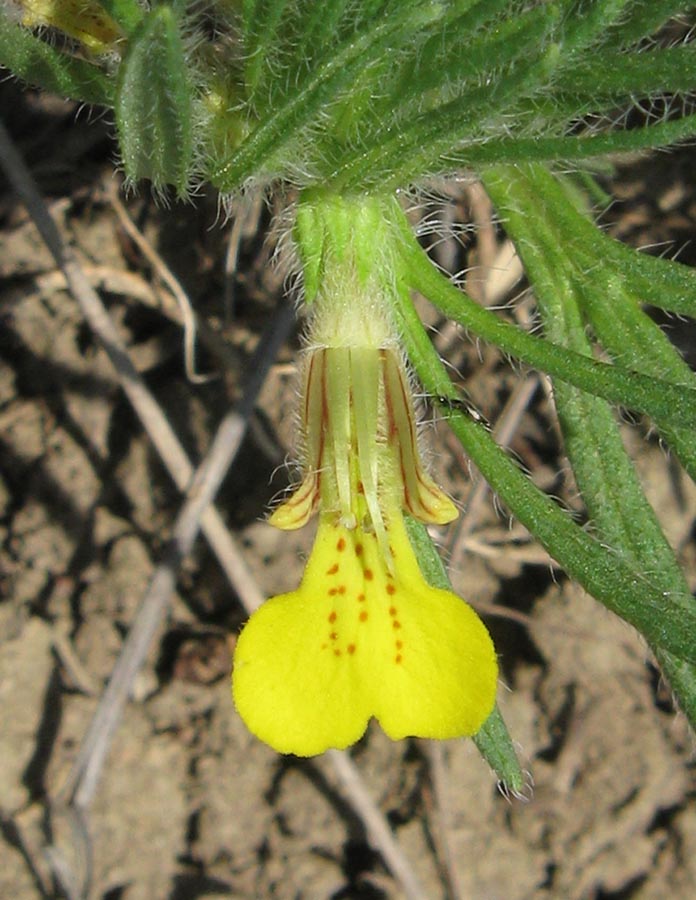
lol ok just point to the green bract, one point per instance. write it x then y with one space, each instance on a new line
154 105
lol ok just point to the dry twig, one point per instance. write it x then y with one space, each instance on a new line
376 825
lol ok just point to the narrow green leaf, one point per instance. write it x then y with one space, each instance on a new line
495 745
625 75
395 159
261 30
681 676
39 64
632 338
127 13
250 10
317 28
588 21
569 148
642 19
441 60
427 87
663 283
660 282
154 103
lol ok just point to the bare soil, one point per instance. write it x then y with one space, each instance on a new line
190 804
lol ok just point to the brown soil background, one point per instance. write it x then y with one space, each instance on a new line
190 804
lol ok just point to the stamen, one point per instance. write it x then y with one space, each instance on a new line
365 386
314 410
421 496
338 405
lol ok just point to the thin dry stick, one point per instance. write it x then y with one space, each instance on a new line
180 469
188 316
486 241
180 310
442 791
82 781
504 273
246 218
377 827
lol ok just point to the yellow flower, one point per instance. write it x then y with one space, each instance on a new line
364 634
84 20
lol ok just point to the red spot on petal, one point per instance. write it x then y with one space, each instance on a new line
369 574
351 649
398 658
361 598
363 616
396 624
333 636
391 589
358 549
341 545
337 652
342 589
333 592
392 610
334 568
361 487
332 617
399 645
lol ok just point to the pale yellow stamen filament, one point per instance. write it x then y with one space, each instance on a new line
339 420
365 384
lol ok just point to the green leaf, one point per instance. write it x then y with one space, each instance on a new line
660 282
393 159
632 337
570 148
318 25
41 65
589 20
625 75
440 62
681 676
154 103
642 19
365 96
128 13
261 29
494 744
